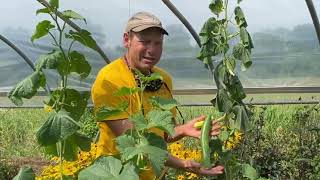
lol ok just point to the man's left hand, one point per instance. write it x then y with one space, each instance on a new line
190 130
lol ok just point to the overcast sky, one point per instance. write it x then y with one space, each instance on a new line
112 15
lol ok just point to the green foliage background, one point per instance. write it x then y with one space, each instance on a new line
277 154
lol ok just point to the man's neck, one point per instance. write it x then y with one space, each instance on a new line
131 66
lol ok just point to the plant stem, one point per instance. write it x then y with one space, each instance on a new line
233 35
60 158
226 26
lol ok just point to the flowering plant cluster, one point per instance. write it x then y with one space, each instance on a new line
70 168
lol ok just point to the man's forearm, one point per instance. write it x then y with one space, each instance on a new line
175 162
178 134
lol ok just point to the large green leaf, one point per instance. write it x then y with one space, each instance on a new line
151 77
51 149
123 106
25 173
54 4
73 15
216 6
59 126
224 135
242 119
207 35
124 91
246 38
42 29
125 143
209 27
206 52
147 78
84 37
27 88
239 16
109 168
73 144
74 101
139 121
157 158
155 140
213 41
223 101
220 76
79 64
249 172
151 146
49 61
162 120
235 88
163 103
43 10
53 60
243 54
230 64
104 112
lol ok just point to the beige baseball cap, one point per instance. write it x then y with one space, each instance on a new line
143 20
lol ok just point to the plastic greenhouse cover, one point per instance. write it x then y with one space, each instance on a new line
286 49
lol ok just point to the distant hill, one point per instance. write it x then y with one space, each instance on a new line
278 54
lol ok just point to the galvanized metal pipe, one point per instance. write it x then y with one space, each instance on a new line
314 17
26 59
183 20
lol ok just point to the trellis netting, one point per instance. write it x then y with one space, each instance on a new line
286 49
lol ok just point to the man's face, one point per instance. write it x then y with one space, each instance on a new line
144 48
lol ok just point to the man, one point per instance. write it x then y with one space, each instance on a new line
143 39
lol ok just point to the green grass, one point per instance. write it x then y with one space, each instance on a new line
17 129
18 126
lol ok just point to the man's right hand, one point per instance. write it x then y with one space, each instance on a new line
197 168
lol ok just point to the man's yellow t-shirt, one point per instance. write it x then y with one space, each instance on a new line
109 80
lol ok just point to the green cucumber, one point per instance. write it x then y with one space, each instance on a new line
205 137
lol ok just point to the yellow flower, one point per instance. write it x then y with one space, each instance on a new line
47 108
180 177
191 175
237 135
84 159
229 144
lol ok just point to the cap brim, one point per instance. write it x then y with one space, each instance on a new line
143 27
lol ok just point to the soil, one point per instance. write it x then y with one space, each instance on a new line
36 163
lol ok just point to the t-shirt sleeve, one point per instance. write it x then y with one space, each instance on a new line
103 95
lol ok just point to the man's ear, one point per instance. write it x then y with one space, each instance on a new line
126 40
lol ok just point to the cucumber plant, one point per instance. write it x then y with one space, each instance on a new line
59 134
138 148
222 51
